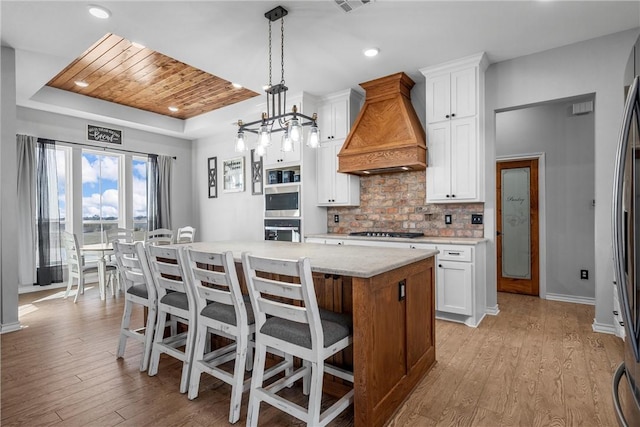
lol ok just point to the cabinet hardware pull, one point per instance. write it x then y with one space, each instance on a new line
621 323
448 195
326 276
453 195
453 114
440 265
446 117
339 243
401 289
615 312
453 253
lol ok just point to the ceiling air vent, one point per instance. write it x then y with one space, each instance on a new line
349 5
582 108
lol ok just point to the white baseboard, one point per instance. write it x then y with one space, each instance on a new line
10 327
603 328
493 311
571 298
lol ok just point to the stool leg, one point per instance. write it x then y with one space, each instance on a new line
256 383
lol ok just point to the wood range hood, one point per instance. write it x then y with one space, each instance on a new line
387 135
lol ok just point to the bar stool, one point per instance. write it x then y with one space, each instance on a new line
138 289
288 319
175 298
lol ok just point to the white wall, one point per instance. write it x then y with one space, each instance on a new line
593 66
65 128
8 190
568 143
230 216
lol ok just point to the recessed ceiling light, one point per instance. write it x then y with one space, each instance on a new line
137 45
373 51
81 83
236 85
173 109
99 11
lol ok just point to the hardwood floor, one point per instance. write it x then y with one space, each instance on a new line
537 363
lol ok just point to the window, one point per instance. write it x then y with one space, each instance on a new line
100 194
140 165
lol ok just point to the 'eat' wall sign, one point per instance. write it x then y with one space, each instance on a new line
102 134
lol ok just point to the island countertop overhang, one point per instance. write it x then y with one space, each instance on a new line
354 261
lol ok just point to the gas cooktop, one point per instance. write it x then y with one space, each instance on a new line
386 234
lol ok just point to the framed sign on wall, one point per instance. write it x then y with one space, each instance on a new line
233 175
102 134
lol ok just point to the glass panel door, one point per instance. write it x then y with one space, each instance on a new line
516 223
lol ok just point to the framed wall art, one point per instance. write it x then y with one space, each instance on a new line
233 175
212 164
256 173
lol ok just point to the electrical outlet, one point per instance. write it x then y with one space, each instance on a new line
447 219
584 274
476 219
336 218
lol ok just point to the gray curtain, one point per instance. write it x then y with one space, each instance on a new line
49 267
159 192
27 209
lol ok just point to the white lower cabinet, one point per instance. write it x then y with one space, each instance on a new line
454 287
460 282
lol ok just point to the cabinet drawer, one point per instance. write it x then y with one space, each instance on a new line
455 253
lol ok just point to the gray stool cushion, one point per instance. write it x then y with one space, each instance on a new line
299 333
138 290
335 317
176 299
226 313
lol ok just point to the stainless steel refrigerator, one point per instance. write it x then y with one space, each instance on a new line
626 254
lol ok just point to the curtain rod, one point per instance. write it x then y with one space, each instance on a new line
103 148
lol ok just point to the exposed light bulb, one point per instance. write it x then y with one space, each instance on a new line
264 136
260 150
295 130
314 137
241 144
287 143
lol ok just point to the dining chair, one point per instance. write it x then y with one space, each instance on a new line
160 236
185 234
120 235
221 310
288 319
138 289
77 270
175 299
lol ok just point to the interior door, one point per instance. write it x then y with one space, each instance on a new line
517 225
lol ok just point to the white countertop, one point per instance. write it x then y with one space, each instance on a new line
425 239
355 261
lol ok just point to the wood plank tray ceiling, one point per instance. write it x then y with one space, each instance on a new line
122 72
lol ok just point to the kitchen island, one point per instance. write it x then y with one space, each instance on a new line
390 294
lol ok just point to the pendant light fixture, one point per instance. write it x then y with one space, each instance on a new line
276 119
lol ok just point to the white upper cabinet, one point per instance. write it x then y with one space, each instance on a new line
274 156
336 114
455 131
334 118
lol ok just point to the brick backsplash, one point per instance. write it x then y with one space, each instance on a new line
396 202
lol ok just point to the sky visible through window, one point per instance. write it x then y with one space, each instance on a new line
100 190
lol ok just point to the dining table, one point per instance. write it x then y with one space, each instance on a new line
102 250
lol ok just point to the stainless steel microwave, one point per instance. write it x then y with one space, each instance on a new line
282 201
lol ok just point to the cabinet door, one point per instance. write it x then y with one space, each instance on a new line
464 159
463 93
340 113
325 121
438 169
326 170
273 156
438 101
295 155
454 287
342 181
